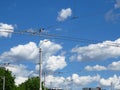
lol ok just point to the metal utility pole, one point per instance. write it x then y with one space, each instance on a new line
40 68
112 87
51 84
3 82
40 63
3 65
44 81
3 77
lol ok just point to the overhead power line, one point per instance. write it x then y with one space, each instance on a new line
41 33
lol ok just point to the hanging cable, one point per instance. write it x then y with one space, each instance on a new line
60 37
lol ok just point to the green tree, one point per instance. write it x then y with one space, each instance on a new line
9 79
30 84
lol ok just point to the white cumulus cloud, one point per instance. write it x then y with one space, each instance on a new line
95 68
6 30
75 79
20 71
100 51
52 58
49 48
20 53
64 14
52 81
84 80
20 80
114 66
115 81
55 62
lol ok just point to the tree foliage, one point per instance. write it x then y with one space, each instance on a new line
30 84
9 79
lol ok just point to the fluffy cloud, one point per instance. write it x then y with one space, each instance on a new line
95 68
19 80
114 66
49 48
53 59
100 51
16 70
68 81
84 80
30 52
53 82
20 53
55 62
115 81
6 30
64 14
79 81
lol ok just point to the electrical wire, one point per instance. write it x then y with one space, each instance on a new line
60 37
36 33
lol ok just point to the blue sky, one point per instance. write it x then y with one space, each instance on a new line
91 64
